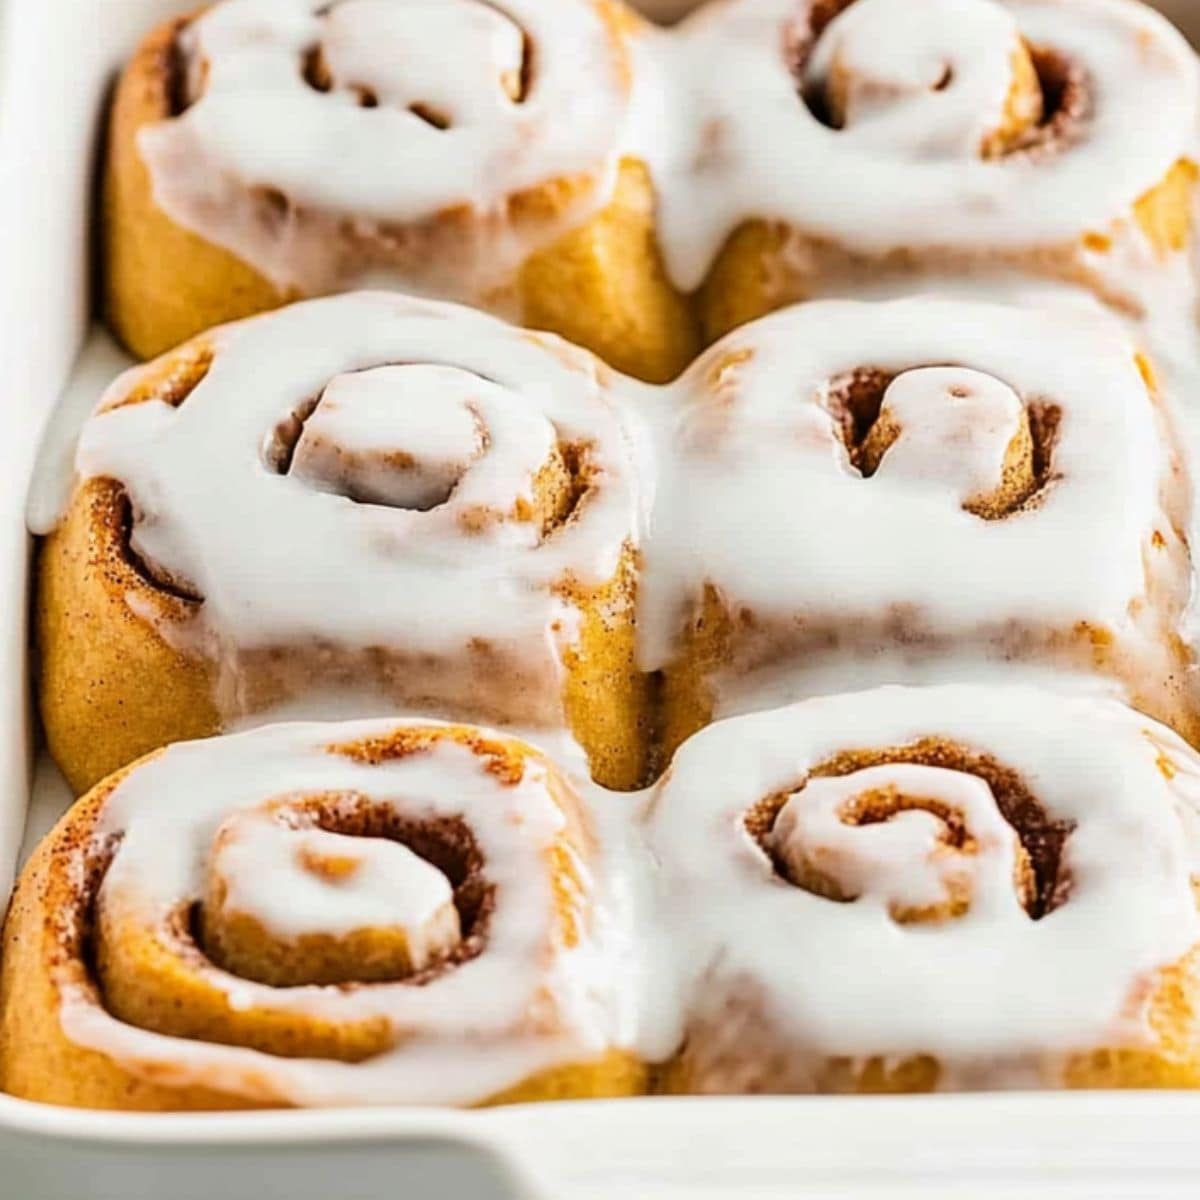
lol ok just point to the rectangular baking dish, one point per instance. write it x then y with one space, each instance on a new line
57 58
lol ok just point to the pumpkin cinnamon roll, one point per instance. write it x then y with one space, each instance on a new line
402 500
886 138
368 913
263 151
936 485
954 888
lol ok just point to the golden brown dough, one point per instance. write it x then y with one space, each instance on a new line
835 862
767 263
130 660
82 955
601 285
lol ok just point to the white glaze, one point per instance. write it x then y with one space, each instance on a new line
907 171
526 1003
682 905
283 559
427 411
257 124
902 862
891 61
991 990
273 874
756 150
956 426
473 405
812 544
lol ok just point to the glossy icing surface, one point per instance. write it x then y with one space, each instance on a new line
682 905
544 97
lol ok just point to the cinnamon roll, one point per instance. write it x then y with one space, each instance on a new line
882 137
391 497
937 485
368 913
268 150
946 888
587 173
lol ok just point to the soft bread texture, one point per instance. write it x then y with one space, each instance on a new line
602 285
1001 841
129 661
685 218
159 1001
950 825
1040 481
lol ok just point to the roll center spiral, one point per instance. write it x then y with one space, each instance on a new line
951 79
923 841
934 428
365 55
424 437
373 897
357 908
928 831
400 436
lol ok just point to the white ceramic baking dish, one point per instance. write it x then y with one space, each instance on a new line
56 60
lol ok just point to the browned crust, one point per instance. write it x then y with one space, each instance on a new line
162 282
48 945
111 689
602 285
765 265
608 702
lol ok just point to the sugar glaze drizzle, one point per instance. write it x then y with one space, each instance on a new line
549 94
683 902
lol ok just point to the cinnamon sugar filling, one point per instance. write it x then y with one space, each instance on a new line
175 71
559 488
170 381
317 73
1066 101
280 449
171 582
855 399
447 844
1066 94
1041 838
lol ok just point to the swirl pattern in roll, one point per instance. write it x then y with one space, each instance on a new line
625 185
367 913
428 508
882 136
265 150
403 500
943 888
938 486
